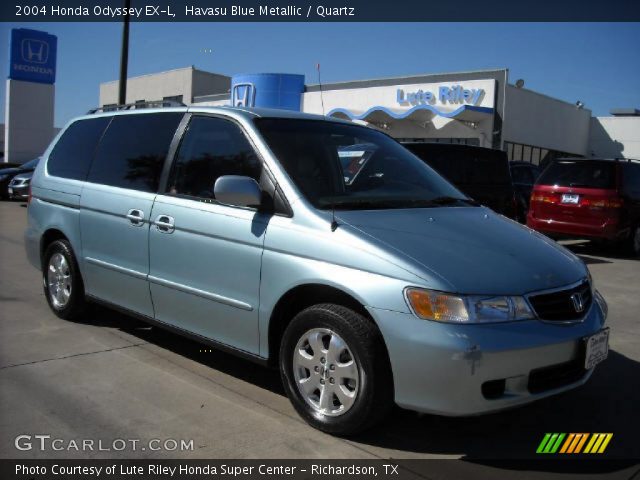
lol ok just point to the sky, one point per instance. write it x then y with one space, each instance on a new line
596 63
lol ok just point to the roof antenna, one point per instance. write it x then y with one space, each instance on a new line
334 222
320 85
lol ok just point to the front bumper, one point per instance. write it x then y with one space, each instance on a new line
18 192
460 370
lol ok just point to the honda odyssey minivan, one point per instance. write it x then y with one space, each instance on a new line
239 228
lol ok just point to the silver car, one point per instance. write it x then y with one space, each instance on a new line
237 227
19 186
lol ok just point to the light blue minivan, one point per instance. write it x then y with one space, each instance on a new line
239 227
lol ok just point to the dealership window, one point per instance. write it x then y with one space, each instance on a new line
519 152
133 149
109 107
140 103
211 148
535 155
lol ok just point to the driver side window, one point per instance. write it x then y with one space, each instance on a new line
211 147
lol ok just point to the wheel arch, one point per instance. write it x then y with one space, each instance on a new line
49 236
303 296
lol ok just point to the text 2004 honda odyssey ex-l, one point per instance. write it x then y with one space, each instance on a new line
240 228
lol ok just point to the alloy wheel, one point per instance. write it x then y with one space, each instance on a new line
59 280
326 372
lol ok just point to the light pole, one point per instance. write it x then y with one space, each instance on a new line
124 56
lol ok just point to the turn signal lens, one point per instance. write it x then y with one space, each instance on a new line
437 306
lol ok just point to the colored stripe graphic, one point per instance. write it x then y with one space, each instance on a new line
573 443
543 443
598 443
581 442
550 443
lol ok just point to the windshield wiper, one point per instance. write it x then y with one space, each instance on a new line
368 203
362 203
445 200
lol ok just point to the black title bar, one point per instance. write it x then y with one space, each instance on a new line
321 11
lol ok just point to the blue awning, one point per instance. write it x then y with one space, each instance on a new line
469 113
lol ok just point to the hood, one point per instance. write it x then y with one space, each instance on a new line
23 176
469 250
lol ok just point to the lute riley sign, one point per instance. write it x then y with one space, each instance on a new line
33 56
454 95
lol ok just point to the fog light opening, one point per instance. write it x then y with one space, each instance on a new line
493 389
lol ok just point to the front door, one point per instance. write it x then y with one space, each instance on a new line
205 257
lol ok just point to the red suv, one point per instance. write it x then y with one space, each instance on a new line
596 199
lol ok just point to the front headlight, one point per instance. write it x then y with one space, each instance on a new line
445 307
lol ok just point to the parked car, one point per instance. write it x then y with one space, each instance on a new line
236 227
481 173
19 186
523 175
4 165
589 198
7 174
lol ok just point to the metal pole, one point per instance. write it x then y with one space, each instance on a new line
124 56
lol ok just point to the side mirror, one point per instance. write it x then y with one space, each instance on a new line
238 191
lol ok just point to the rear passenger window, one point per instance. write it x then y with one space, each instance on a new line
631 180
133 149
72 154
212 147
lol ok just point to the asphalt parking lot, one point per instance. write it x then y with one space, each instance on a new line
110 377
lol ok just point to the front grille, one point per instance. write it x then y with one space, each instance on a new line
560 375
559 306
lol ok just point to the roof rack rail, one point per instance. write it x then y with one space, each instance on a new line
131 106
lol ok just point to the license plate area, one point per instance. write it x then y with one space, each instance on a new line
11 191
570 198
596 348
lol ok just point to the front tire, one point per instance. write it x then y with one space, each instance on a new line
335 369
63 286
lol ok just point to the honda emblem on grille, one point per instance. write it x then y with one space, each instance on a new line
578 302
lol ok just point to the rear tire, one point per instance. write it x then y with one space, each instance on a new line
63 286
335 369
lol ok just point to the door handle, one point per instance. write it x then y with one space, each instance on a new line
165 224
136 217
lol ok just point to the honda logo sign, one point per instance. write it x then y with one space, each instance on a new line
35 51
33 56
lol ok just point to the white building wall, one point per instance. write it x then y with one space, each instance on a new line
615 137
535 119
28 128
151 87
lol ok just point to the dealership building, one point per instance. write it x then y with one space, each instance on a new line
480 108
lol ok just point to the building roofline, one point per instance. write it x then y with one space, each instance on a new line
409 79
190 67
549 97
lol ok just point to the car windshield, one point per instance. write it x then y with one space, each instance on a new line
579 173
351 167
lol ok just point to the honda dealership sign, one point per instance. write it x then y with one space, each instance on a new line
33 56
